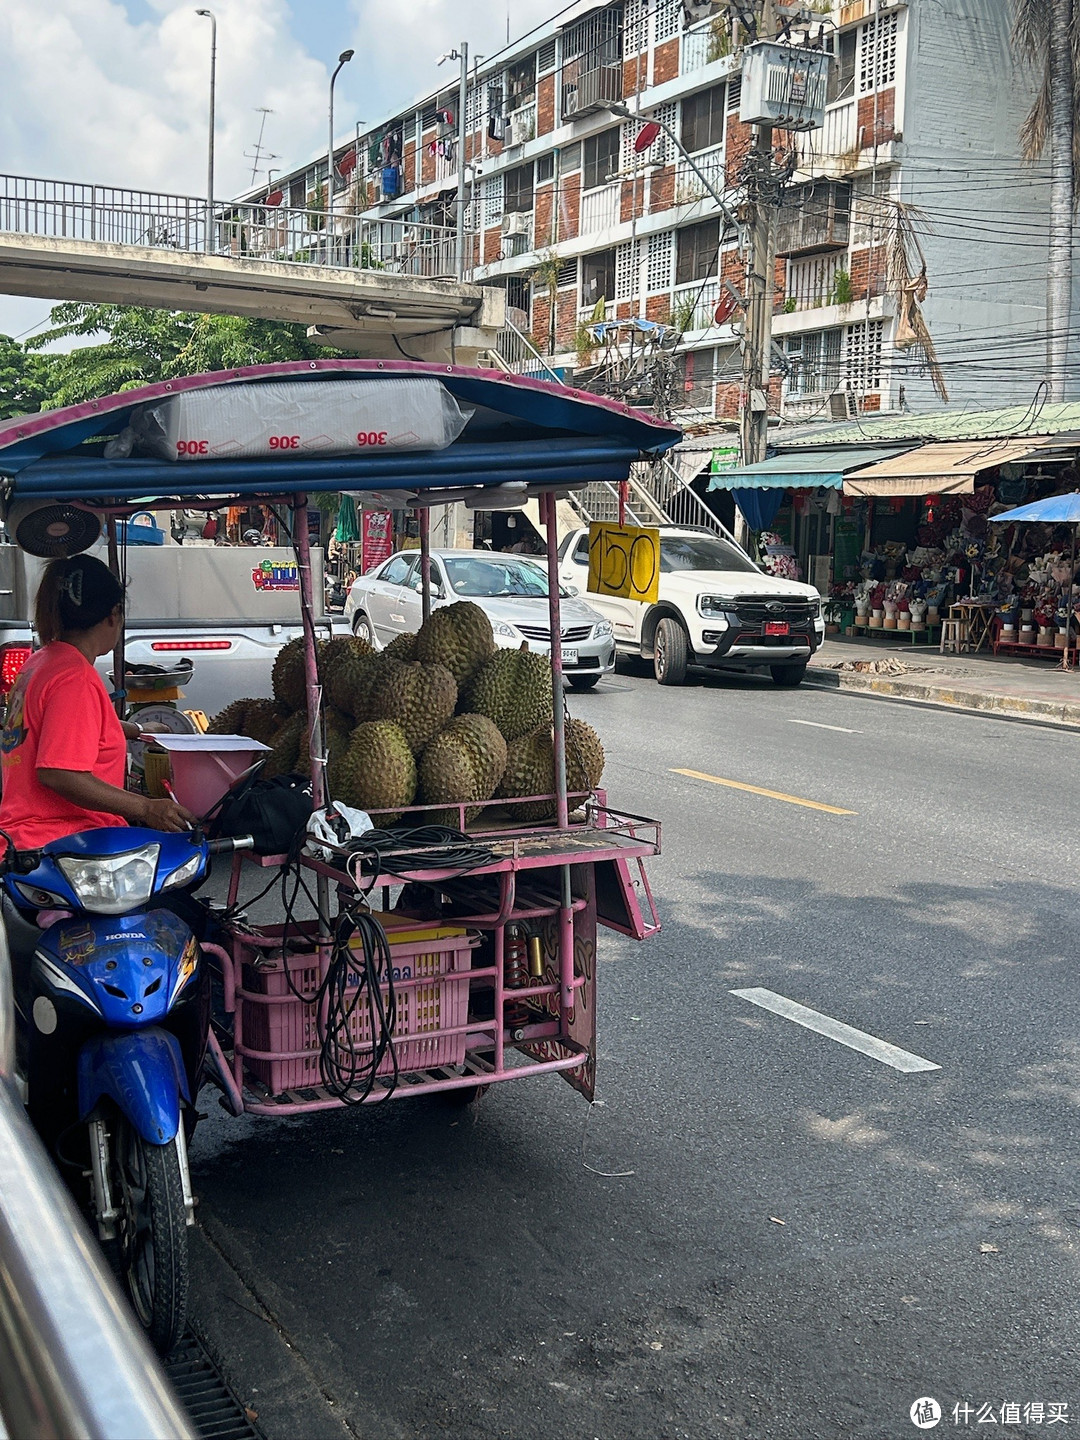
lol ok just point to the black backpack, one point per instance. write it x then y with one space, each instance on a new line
273 810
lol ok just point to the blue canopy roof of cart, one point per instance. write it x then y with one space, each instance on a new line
519 430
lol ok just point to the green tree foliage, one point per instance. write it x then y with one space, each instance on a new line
141 346
23 379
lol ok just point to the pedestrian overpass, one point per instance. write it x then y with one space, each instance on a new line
376 287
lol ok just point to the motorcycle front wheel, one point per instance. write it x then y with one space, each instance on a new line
152 1233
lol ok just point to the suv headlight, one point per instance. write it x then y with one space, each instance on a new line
112 884
715 607
602 630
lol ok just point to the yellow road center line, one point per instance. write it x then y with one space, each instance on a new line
769 794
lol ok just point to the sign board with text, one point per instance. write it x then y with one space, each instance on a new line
624 560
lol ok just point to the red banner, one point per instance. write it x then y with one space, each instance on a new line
376 538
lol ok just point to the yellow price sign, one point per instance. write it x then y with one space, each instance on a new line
624 560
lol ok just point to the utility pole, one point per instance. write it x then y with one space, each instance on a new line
761 217
463 96
1059 260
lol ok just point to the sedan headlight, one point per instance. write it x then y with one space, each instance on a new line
714 606
112 884
603 630
500 627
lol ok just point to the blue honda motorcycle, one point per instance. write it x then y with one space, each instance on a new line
113 1015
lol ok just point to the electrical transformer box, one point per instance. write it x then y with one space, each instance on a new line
784 86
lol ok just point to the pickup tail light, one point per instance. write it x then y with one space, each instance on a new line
12 659
186 645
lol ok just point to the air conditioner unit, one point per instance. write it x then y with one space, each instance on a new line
518 222
599 87
843 405
518 129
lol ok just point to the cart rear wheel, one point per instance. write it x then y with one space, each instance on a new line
670 653
361 628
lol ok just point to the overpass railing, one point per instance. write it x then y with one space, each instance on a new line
245 230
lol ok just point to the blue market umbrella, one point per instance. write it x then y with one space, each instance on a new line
1054 510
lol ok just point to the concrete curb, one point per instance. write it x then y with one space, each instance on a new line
1004 707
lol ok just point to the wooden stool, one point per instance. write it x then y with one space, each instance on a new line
954 636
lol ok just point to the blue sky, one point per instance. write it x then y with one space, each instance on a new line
115 91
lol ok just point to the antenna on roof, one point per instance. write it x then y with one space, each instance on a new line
258 155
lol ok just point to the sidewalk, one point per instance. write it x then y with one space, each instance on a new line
1023 688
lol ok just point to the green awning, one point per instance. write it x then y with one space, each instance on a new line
802 469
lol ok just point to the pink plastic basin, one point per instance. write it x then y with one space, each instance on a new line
205 766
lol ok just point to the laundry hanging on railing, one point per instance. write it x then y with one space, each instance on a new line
496 119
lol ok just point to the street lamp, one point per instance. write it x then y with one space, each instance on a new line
207 239
343 59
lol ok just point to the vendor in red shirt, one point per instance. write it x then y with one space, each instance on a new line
63 749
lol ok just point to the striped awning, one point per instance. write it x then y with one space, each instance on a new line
944 468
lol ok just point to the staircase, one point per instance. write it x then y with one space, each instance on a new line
658 495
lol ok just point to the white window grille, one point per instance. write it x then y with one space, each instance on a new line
658 266
636 14
626 270
877 52
473 107
662 151
815 362
493 200
669 17
545 58
567 277
862 355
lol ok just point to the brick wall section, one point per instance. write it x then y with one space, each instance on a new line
870 402
886 118
427 159
867 272
545 216
658 308
492 244
733 268
570 207
630 200
566 320
541 319
727 399
545 105
738 143
623 310
662 189
635 75
665 62
408 167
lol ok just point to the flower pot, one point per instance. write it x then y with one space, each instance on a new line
1027 635
1059 639
876 614
1046 636
932 617
890 622
832 629
875 620
903 621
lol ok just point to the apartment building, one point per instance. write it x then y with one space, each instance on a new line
924 104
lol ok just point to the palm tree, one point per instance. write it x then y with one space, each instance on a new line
1047 35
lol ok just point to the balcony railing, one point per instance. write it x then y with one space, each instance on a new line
521 124
835 147
600 208
688 185
700 47
693 306
243 230
811 282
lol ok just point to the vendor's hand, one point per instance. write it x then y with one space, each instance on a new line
155 727
167 815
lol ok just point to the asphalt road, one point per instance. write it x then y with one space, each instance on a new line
760 1231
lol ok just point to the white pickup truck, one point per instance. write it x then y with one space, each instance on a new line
227 608
715 609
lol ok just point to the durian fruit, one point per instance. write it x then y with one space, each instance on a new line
513 688
402 647
458 636
290 686
258 719
288 751
530 767
345 664
338 729
377 771
419 698
465 761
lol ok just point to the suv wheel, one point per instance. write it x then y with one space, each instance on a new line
788 675
670 653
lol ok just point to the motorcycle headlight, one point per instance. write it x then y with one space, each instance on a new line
112 884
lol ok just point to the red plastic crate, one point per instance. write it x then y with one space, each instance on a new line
275 1022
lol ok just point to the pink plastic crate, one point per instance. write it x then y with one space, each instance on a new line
280 1024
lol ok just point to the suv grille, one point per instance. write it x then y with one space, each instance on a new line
542 632
756 611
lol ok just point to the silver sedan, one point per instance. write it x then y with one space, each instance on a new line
512 591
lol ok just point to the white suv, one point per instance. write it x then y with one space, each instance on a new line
716 608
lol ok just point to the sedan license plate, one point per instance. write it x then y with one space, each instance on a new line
777 627
569 656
